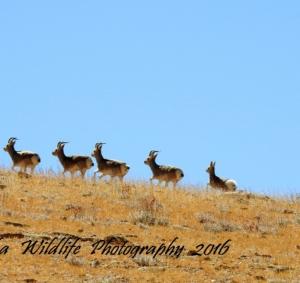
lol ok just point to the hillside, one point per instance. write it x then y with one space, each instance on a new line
245 237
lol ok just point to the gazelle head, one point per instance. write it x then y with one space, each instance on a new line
211 169
97 150
152 155
11 142
59 147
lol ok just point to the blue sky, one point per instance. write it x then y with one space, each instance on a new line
198 80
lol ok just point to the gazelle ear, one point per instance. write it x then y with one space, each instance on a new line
211 164
214 163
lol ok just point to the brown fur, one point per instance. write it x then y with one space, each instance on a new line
215 181
73 163
163 173
109 167
21 159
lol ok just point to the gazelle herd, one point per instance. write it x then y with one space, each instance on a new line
109 167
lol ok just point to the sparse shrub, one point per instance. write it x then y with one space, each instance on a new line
223 208
75 209
144 217
221 226
95 263
163 221
148 218
150 212
79 213
212 224
3 201
262 224
283 222
266 228
297 219
76 261
150 203
206 218
143 260
295 198
110 279
126 191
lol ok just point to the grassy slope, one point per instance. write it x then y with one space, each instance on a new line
264 231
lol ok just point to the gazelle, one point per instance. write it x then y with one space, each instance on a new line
73 163
108 167
22 159
218 183
163 173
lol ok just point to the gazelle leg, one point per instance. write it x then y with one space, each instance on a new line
101 176
95 173
82 172
32 170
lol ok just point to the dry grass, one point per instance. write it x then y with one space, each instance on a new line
264 232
